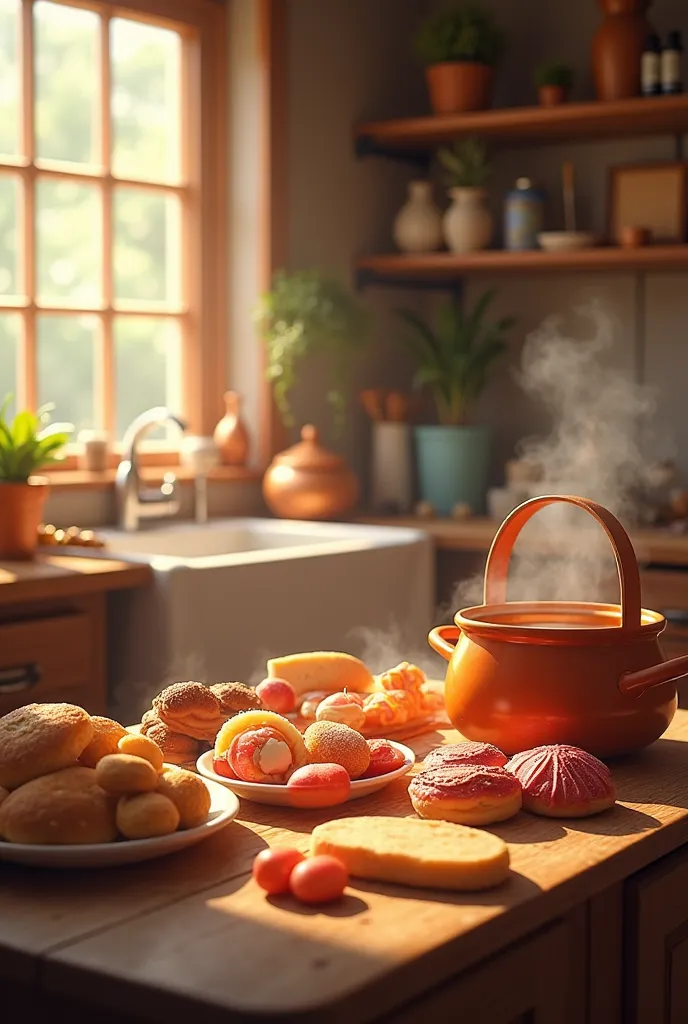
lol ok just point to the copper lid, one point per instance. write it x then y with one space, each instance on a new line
309 454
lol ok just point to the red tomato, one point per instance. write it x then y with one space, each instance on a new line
272 868
319 879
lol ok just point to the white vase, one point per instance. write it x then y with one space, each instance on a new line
467 224
418 224
391 469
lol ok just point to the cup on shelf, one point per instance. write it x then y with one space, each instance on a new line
94 448
633 237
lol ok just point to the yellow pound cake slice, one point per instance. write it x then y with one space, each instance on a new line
328 671
428 854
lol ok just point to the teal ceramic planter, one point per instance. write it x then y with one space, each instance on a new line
452 466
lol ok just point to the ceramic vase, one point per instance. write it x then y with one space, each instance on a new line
452 467
309 482
418 224
391 472
231 435
467 224
617 47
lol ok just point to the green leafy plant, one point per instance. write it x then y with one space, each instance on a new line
554 73
456 357
304 313
29 443
466 164
463 32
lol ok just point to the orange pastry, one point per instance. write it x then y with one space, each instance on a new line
560 781
189 794
332 743
406 705
379 712
403 677
41 738
146 816
191 709
455 754
467 795
176 747
141 746
120 774
106 736
261 746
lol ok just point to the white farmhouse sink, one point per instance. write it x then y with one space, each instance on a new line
229 594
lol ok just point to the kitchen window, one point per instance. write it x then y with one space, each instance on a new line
112 174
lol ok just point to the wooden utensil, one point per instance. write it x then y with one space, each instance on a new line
569 196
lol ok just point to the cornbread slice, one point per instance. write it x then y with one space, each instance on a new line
328 671
428 854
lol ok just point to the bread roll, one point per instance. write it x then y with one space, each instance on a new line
188 793
62 808
106 735
146 816
121 774
39 739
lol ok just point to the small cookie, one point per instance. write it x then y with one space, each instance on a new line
141 746
106 735
121 774
146 816
188 793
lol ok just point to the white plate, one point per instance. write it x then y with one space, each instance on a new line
224 807
278 796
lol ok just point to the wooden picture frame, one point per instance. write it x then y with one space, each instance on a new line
652 196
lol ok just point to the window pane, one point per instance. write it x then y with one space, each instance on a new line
147 247
147 368
66 349
9 235
68 223
10 333
67 81
10 144
145 72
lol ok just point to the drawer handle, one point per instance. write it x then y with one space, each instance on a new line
24 677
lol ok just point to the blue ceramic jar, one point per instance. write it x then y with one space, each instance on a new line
523 210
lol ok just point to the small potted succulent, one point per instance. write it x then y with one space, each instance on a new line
553 83
467 224
460 47
27 444
455 360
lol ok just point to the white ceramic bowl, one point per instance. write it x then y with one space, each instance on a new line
278 796
566 241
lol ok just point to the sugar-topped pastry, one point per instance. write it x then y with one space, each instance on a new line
560 781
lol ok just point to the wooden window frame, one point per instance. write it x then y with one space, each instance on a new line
203 317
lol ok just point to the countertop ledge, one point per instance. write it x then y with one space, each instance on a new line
49 576
191 934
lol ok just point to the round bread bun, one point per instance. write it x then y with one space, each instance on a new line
176 747
332 743
146 816
4 793
235 697
106 736
561 781
250 720
455 754
121 774
141 746
39 739
63 808
190 708
188 793
466 795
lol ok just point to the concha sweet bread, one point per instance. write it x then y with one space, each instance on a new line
39 739
61 808
560 781
466 795
455 754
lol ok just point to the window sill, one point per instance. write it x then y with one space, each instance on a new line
79 479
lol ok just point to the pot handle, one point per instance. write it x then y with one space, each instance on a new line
443 639
497 566
634 684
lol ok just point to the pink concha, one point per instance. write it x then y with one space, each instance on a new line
561 779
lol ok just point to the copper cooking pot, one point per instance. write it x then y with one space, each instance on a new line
525 673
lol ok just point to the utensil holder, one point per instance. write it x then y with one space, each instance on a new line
391 468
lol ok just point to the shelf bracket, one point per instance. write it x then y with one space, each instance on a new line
365 145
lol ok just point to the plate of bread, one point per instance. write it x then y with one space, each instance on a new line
80 791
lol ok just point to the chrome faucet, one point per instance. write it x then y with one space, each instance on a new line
134 502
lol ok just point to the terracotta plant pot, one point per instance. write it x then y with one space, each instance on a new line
617 47
309 482
552 95
459 86
21 513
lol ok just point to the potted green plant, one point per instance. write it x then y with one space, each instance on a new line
455 360
27 444
460 47
467 224
553 81
304 313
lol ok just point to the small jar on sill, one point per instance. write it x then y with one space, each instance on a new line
95 449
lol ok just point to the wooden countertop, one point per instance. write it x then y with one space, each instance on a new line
190 937
660 546
53 576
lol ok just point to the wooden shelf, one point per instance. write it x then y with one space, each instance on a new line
447 266
661 115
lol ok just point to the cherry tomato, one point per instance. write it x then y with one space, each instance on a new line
272 868
319 879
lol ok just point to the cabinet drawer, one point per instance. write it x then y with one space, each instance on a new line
43 657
